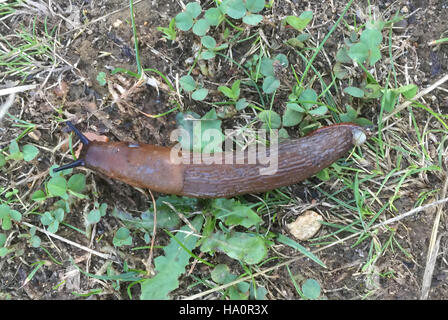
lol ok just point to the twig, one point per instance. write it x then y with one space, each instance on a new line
433 249
151 250
80 246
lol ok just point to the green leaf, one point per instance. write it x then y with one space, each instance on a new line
409 91
57 186
101 78
184 21
14 151
3 252
270 84
208 136
187 83
194 9
236 89
213 16
241 104
199 94
371 38
355 92
6 223
266 67
252 19
389 100
291 117
246 247
122 237
201 27
342 55
349 115
4 210
58 214
339 71
311 289
53 226
289 242
46 218
323 175
235 213
35 241
94 216
207 55
29 152
359 52
227 92
255 5
77 183
310 96
15 215
303 37
2 239
172 264
294 107
221 274
271 118
170 32
2 160
234 8
282 59
208 42
300 23
319 111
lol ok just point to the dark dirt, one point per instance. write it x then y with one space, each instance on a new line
344 279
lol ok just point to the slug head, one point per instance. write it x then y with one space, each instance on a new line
85 142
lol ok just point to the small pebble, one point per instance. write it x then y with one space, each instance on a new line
306 225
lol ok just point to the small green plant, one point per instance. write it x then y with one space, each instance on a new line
311 289
7 215
270 68
170 32
122 237
232 93
58 186
95 215
34 240
301 105
299 23
52 219
101 78
28 153
241 291
189 85
210 44
171 265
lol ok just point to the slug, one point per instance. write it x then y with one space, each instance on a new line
149 166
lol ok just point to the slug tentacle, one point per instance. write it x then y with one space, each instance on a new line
74 164
81 137
85 142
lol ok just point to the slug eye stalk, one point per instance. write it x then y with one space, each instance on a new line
85 142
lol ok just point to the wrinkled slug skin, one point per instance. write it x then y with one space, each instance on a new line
149 166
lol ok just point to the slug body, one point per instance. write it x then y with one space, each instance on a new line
149 166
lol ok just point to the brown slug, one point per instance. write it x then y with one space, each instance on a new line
224 174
